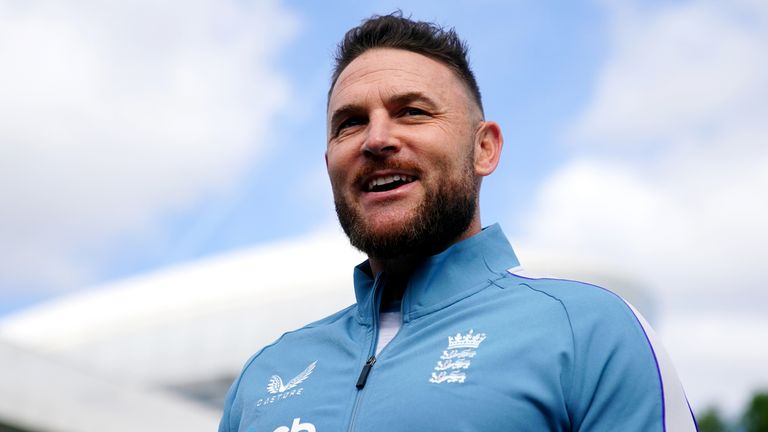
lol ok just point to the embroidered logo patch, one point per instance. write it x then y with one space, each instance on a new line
276 383
280 390
456 358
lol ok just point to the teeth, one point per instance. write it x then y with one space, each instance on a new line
388 179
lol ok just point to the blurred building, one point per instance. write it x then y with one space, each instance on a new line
158 352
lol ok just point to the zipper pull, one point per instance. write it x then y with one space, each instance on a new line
364 373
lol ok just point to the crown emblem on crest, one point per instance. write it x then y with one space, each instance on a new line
469 340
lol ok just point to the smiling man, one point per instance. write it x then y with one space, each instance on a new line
407 148
445 334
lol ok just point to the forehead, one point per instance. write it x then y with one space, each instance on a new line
383 72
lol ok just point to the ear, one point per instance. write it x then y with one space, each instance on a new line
488 144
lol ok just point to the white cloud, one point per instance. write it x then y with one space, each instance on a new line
115 113
676 71
720 356
670 177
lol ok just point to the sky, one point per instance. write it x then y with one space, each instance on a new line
139 135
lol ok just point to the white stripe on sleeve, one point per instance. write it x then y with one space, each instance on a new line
677 412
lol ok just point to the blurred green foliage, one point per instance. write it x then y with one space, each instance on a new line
710 421
754 418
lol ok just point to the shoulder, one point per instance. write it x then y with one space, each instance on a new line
314 334
604 327
292 352
618 365
309 331
584 304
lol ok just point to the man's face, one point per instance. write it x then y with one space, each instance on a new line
401 130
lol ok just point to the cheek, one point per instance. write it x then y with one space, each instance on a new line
336 179
340 160
337 174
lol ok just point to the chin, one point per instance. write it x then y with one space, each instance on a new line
390 229
385 222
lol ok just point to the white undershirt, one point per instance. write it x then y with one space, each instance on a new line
389 324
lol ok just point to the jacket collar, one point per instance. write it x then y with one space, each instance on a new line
443 279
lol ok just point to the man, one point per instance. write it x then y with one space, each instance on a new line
444 334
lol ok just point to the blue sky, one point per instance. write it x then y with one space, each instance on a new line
533 78
536 65
135 136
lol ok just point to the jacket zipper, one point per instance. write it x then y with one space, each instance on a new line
364 373
363 378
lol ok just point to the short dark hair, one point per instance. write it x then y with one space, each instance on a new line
395 31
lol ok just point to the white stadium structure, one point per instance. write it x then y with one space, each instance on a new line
158 352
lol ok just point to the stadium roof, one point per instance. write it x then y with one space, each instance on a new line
157 352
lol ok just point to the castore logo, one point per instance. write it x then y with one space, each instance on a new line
281 391
276 383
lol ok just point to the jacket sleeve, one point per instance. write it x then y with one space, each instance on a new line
229 402
621 378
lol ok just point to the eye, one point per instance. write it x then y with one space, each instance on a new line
349 122
411 111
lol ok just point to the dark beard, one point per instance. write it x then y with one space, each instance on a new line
443 216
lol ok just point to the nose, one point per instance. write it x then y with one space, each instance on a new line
380 140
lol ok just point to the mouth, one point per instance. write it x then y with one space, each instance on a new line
385 183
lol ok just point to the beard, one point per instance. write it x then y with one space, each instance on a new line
444 214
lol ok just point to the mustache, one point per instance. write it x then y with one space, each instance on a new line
373 166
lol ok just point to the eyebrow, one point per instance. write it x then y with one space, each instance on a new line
397 100
343 112
410 97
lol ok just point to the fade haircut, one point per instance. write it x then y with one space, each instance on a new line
425 38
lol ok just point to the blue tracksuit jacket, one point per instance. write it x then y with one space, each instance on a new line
479 349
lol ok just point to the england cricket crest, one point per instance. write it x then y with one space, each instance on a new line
456 358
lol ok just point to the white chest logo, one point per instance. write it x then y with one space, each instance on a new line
456 358
276 383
